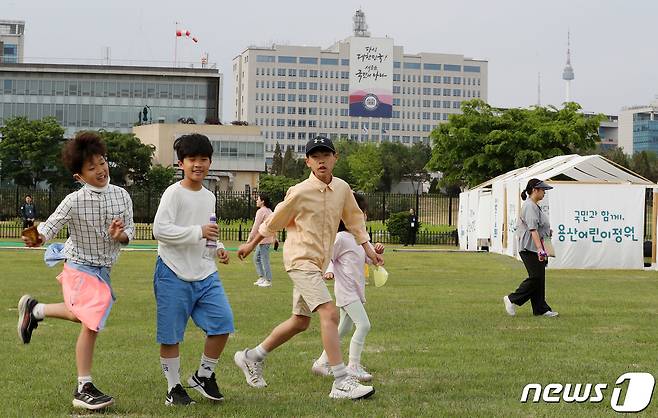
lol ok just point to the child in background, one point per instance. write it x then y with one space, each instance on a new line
262 253
185 281
347 269
100 220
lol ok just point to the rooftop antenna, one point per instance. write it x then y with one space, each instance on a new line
360 26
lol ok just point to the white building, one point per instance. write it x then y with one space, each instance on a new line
294 93
12 33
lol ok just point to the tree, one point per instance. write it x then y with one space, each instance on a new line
645 163
128 158
288 162
344 148
30 150
414 164
392 155
484 142
277 161
366 167
618 156
159 178
275 186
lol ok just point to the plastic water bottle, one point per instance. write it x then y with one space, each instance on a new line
212 243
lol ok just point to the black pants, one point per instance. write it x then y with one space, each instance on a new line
411 236
27 224
534 287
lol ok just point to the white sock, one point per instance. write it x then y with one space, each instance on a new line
171 370
256 354
323 358
81 382
39 311
340 372
207 366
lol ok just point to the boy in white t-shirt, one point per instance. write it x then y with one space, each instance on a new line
186 282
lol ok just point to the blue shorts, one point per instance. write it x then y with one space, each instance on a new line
177 300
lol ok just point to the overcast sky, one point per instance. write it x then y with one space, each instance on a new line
613 52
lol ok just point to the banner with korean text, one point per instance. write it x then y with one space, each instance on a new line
371 77
597 226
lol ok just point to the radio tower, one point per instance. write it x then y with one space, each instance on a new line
567 73
360 26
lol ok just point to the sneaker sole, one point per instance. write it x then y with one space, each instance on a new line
366 396
238 363
197 386
22 305
82 405
171 403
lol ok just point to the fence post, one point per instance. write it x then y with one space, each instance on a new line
240 233
148 205
383 206
417 206
450 210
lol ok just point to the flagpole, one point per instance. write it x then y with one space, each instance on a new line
175 43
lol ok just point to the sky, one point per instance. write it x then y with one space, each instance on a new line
613 56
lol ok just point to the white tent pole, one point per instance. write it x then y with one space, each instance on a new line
654 218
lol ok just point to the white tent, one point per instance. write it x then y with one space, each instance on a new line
612 196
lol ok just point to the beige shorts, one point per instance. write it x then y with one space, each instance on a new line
309 291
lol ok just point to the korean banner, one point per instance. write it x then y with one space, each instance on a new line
371 77
597 226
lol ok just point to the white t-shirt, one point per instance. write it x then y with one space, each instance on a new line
177 227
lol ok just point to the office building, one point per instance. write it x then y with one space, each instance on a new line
638 128
12 33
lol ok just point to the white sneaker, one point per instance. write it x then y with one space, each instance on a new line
322 369
509 306
253 370
550 314
265 283
351 389
259 281
359 372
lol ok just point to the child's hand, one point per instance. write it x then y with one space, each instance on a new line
32 238
210 232
222 255
328 276
377 260
379 248
116 229
244 250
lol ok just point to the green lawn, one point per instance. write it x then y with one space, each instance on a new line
440 345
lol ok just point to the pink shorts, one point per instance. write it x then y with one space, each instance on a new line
87 296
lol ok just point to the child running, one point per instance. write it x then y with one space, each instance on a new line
186 282
100 220
311 212
347 268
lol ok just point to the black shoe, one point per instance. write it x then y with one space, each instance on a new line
178 396
207 386
26 320
91 398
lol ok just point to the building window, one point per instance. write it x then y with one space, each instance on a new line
412 65
287 60
456 80
292 84
313 73
396 64
452 67
456 92
436 79
264 58
281 84
281 72
471 69
308 60
328 61
427 78
396 77
344 62
427 91
433 67
303 73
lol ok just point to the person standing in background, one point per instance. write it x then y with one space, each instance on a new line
262 253
28 212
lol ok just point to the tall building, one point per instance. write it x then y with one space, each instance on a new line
638 128
297 92
108 97
12 33
567 73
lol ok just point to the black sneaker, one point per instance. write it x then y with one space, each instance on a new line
91 398
178 396
207 386
26 320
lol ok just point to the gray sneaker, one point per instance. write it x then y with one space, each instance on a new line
253 370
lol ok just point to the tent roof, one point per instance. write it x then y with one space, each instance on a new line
588 168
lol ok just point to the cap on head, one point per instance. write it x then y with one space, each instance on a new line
543 186
319 142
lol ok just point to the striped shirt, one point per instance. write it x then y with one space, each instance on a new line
89 215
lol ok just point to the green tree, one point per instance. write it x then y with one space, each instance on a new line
288 163
30 151
275 186
366 167
128 158
414 164
645 163
393 155
618 156
344 148
159 178
484 142
277 161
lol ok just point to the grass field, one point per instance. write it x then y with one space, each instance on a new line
440 345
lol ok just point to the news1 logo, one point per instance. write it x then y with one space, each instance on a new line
637 395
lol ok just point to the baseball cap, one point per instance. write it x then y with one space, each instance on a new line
543 186
319 142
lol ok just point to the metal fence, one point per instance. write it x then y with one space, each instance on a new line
12 230
436 209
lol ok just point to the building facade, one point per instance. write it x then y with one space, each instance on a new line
294 93
108 97
12 33
638 128
238 157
